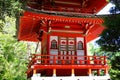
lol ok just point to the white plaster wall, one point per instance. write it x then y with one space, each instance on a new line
79 39
71 78
80 52
53 51
53 38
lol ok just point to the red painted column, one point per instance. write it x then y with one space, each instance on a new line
85 46
48 47
48 44
75 40
59 48
85 49
98 72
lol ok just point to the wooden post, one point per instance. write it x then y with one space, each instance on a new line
106 71
54 72
98 72
89 72
34 72
72 72
72 61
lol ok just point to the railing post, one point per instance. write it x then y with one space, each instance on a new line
88 60
54 60
95 60
72 60
100 60
63 61
80 62
105 60
45 61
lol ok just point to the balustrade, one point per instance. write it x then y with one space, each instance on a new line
67 60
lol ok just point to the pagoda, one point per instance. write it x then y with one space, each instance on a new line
64 27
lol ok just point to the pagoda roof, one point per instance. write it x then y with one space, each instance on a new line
31 23
74 6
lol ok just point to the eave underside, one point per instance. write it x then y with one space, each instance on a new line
32 23
76 6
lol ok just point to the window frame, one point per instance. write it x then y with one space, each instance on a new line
53 44
80 45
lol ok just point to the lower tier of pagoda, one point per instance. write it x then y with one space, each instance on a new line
58 65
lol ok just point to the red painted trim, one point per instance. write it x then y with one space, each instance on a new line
53 42
58 46
75 46
70 67
48 44
85 46
81 44
63 19
75 6
28 23
65 34
67 46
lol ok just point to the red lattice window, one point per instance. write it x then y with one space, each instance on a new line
80 45
53 44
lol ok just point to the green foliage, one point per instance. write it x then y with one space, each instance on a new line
9 8
12 53
110 43
1 25
115 68
113 60
92 48
110 37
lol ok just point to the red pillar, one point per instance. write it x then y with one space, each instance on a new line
85 46
98 72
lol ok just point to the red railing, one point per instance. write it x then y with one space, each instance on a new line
67 60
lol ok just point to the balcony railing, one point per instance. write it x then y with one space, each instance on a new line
67 60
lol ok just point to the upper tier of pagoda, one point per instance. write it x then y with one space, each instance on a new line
74 6
37 17
32 23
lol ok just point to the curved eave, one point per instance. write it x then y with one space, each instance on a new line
92 6
29 25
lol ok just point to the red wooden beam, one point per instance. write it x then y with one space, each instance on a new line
70 66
